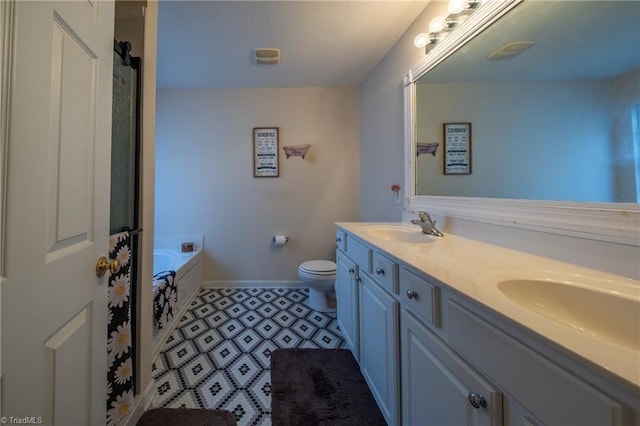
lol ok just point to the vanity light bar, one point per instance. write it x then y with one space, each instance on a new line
439 26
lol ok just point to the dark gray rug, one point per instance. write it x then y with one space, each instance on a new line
186 417
320 387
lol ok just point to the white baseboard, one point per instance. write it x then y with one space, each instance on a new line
252 284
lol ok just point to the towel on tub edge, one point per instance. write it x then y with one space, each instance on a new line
165 297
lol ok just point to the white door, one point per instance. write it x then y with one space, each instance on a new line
54 315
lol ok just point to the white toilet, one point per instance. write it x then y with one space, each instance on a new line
319 276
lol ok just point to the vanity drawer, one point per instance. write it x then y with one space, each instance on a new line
359 253
341 240
385 272
420 296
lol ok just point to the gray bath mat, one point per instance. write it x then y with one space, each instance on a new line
320 387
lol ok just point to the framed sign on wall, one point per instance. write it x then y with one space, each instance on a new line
265 152
457 148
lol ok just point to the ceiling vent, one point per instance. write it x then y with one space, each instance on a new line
510 50
267 56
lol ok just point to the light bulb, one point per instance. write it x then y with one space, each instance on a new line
456 6
437 24
421 40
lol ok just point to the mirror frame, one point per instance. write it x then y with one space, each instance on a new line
611 222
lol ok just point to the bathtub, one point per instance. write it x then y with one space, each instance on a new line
187 267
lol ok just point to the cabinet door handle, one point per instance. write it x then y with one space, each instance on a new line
379 271
358 279
412 294
477 400
338 240
351 270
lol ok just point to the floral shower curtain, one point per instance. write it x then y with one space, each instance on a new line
120 392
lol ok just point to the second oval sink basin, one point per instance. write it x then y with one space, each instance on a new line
607 315
399 233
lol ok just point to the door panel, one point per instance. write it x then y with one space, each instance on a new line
68 361
72 141
54 316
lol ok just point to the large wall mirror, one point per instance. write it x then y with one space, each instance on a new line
554 134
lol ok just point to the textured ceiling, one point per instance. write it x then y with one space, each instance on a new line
322 43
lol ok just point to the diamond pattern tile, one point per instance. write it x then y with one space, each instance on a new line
208 340
216 389
218 356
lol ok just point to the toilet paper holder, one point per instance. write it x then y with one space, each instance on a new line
279 239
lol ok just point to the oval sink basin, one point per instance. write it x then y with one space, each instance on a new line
399 233
607 315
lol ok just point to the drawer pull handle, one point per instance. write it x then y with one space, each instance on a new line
379 271
477 400
338 240
412 294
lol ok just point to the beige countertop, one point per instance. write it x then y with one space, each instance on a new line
475 269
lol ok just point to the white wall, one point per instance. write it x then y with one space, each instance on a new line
382 162
381 122
205 183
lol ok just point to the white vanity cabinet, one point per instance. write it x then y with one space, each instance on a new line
352 258
379 346
552 394
438 387
433 355
368 315
346 288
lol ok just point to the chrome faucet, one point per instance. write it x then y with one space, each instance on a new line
427 224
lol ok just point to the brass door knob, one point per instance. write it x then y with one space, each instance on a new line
104 264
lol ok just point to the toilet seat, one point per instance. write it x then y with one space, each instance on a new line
318 267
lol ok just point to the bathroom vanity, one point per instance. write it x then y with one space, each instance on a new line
454 331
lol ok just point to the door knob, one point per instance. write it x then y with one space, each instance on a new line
104 264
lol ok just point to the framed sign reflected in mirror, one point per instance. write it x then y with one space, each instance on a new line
457 148
265 152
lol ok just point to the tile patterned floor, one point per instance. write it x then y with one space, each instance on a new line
218 356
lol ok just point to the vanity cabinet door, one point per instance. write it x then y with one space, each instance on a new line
346 288
379 346
438 387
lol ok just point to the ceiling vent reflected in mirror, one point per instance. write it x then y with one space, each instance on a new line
267 56
510 50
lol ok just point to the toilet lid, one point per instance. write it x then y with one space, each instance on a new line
319 266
